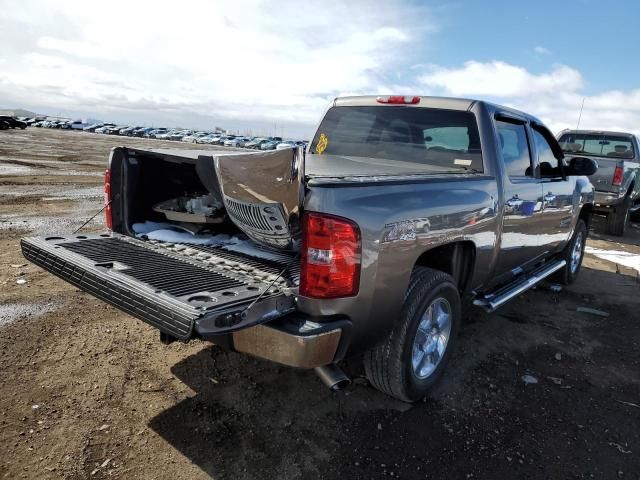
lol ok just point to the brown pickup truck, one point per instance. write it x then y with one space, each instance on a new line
402 212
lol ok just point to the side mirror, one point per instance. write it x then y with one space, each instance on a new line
579 166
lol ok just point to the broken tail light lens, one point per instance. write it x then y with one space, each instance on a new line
399 100
331 251
617 176
107 199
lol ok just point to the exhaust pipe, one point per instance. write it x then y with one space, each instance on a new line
333 377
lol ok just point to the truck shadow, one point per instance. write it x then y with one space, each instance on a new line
250 417
253 419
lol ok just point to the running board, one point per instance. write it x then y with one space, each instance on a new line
492 301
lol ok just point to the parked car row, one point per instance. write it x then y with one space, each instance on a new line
199 137
160 133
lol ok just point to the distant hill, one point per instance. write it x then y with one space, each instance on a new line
18 112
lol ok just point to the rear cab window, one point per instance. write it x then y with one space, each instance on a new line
432 140
601 145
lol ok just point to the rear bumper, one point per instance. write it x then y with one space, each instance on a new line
295 341
604 200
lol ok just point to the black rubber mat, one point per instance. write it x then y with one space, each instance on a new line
159 271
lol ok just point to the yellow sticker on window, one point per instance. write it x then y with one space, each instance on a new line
321 146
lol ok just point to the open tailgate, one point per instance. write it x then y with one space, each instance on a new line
183 290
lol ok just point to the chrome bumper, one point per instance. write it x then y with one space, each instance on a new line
606 199
306 345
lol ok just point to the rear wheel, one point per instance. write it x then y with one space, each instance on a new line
618 219
414 356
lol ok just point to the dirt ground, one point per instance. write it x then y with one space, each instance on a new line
88 392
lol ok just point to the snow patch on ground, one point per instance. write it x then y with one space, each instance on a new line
11 312
52 192
627 259
49 224
24 170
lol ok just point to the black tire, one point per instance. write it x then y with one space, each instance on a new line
568 274
389 366
618 219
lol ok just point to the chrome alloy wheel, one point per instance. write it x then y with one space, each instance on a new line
432 337
576 253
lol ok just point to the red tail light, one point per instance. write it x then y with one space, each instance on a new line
399 100
107 199
330 257
617 176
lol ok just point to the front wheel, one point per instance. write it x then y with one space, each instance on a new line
573 254
416 352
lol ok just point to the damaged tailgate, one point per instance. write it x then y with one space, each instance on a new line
183 290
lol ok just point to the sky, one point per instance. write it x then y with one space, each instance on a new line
272 66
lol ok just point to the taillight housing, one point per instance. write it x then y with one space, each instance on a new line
399 99
330 257
617 176
107 199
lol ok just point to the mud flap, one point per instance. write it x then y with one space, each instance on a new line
184 291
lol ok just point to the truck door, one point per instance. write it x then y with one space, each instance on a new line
558 197
522 211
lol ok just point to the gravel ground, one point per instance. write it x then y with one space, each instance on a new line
538 390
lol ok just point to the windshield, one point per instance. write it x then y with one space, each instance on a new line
442 140
602 145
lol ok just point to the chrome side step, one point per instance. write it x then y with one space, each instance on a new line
492 301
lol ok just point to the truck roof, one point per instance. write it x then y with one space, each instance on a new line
449 103
597 132
432 102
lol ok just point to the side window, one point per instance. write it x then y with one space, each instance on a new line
546 159
515 149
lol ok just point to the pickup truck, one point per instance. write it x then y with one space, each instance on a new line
401 212
617 182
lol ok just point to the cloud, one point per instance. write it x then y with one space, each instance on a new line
265 65
554 96
542 50
266 60
500 79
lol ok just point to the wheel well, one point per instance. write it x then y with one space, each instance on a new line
456 259
585 214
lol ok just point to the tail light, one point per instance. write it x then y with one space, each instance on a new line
107 199
399 100
331 250
617 176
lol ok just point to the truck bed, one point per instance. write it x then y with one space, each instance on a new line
183 290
